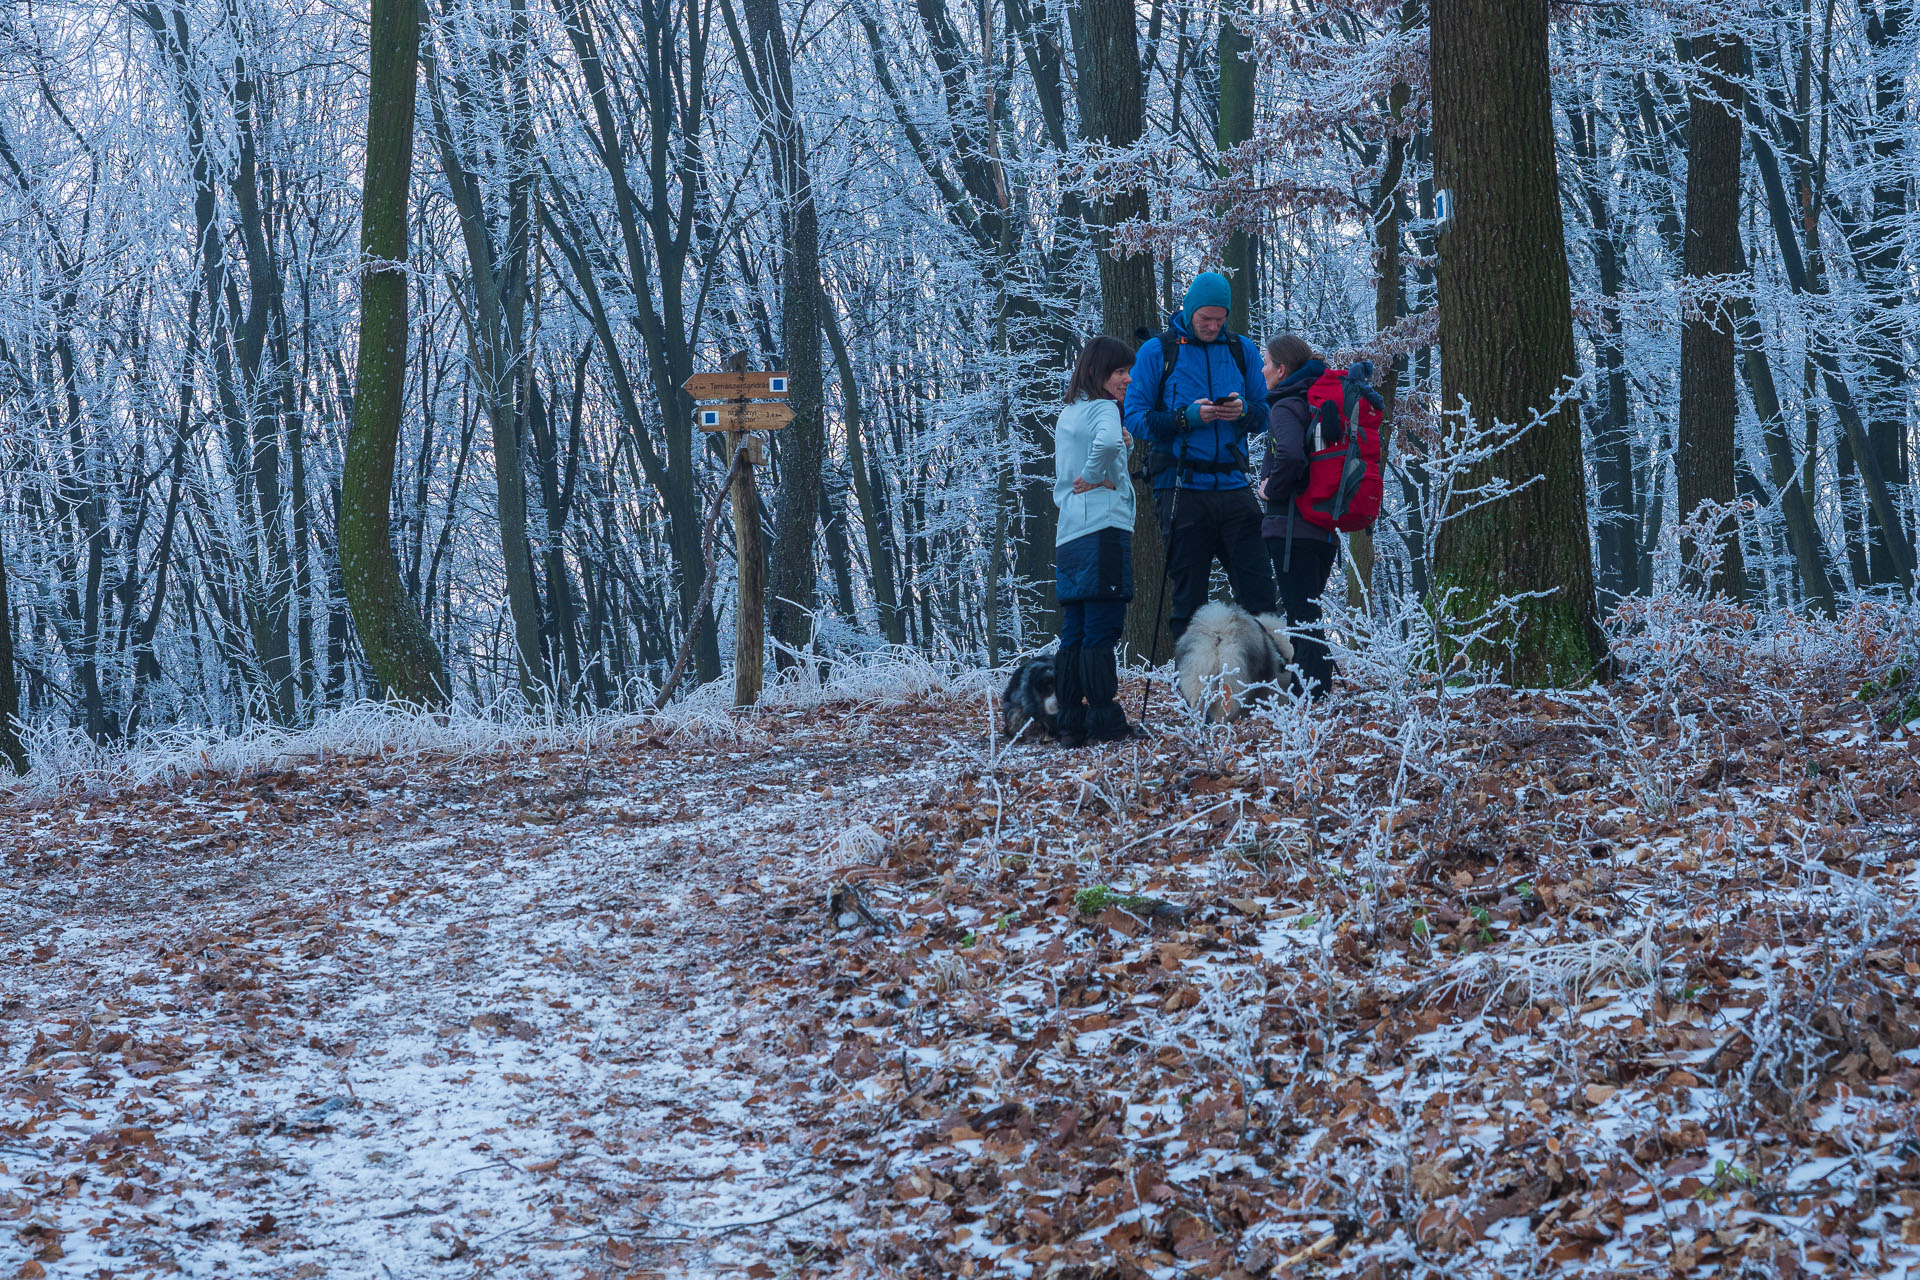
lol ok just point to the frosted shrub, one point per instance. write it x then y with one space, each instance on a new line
1675 635
65 760
1400 644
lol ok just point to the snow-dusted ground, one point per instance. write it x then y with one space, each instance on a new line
1419 983
404 1018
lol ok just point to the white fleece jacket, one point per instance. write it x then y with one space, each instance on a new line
1088 442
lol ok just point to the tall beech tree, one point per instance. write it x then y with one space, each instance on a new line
802 445
1242 252
498 280
1112 103
395 639
1704 459
1506 332
11 749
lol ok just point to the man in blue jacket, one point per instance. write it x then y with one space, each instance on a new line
1196 396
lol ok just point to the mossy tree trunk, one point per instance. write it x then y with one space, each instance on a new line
395 639
1704 461
1506 334
1242 255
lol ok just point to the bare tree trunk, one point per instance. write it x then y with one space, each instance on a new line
1242 257
1704 461
397 643
1803 531
1113 111
1879 244
1613 432
1383 213
496 325
659 117
10 748
1506 333
803 443
875 513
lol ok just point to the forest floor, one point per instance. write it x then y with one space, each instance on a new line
1470 982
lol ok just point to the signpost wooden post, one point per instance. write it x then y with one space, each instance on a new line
739 416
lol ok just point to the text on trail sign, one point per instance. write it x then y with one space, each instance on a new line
742 417
737 386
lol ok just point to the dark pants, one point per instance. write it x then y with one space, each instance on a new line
1092 624
1202 525
1302 583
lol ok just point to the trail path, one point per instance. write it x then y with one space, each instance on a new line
363 1018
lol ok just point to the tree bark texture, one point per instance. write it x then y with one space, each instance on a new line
1709 403
1383 212
11 750
1881 266
1803 530
395 640
749 615
1241 256
1823 366
876 518
496 325
795 576
1506 333
1112 105
1613 469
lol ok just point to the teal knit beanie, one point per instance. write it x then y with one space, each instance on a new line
1209 289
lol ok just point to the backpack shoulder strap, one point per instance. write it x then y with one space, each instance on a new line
1169 357
1236 347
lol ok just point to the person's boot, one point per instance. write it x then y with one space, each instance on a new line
1100 677
1070 722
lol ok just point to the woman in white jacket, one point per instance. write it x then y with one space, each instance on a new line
1093 549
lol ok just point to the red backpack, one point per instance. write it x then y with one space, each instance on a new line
1343 451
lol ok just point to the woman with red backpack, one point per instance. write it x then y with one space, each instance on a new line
1302 552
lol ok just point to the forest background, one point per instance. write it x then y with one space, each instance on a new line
921 210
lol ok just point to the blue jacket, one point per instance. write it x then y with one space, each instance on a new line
1202 371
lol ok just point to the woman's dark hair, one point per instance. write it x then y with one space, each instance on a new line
1290 351
1099 360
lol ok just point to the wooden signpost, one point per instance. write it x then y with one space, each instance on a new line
739 417
737 386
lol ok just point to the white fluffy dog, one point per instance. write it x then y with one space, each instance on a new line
1223 652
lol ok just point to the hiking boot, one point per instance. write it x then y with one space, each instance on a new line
1106 722
1070 722
1100 678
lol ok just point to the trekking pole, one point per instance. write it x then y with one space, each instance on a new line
1154 648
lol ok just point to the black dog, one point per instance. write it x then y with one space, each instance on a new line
1030 697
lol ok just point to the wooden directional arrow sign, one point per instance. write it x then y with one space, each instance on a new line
737 386
742 417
